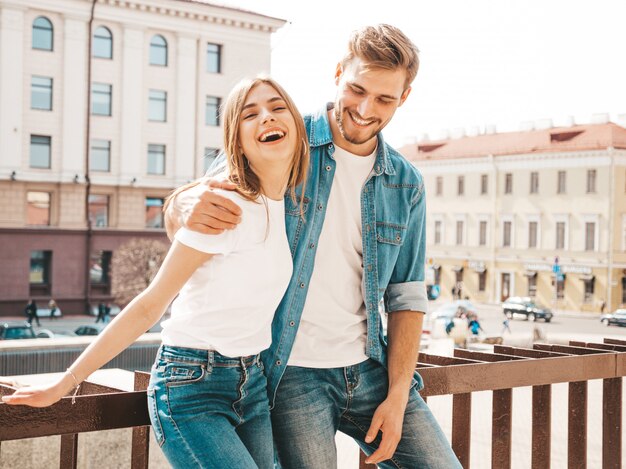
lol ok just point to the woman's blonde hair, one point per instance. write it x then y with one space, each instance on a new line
240 172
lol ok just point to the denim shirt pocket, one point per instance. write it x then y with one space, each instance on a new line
390 233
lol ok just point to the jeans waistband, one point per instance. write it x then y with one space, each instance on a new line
208 357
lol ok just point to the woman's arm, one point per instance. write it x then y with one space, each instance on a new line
140 314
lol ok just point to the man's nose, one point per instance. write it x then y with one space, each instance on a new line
366 108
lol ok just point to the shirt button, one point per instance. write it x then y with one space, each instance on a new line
398 238
278 362
312 245
292 323
367 228
378 169
365 190
328 168
369 268
320 207
302 285
331 147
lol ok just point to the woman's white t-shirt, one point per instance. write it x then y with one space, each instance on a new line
229 302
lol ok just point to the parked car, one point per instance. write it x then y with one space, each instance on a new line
525 306
12 331
617 317
89 329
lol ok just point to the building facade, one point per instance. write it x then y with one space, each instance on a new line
103 112
540 213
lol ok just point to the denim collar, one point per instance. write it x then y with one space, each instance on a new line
320 134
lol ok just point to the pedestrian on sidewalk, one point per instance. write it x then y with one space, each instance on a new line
101 312
31 312
52 306
505 326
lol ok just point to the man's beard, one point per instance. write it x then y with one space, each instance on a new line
353 140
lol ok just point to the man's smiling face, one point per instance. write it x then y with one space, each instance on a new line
366 100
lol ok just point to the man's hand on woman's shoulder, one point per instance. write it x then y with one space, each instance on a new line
203 210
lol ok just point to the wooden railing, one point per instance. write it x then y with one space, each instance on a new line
103 408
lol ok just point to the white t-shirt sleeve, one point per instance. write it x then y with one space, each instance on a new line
223 243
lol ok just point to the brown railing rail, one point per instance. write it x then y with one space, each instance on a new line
102 408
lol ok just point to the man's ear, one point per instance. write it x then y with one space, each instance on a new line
338 73
405 95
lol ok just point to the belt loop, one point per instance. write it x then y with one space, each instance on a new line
210 359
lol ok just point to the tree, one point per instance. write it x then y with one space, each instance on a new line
134 265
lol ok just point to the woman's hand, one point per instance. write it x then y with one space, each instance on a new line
42 395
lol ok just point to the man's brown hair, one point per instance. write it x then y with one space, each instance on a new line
384 47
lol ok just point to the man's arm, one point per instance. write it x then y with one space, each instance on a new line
404 330
200 209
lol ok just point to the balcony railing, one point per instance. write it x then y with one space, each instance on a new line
102 408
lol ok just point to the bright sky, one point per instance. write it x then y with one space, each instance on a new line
483 62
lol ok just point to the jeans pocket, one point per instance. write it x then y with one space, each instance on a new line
154 417
179 374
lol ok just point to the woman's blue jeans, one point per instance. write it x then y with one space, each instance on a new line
210 411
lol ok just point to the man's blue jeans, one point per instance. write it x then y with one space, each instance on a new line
312 404
210 411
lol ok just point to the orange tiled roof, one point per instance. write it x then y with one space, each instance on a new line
558 139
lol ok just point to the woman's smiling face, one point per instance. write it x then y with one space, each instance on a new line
267 129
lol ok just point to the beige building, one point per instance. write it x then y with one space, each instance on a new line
109 107
506 211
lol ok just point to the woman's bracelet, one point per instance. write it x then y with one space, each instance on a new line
77 385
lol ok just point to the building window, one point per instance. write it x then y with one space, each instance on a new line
103 43
460 185
623 290
210 154
41 93
43 34
100 155
439 186
532 234
506 234
158 50
484 184
213 58
589 287
212 111
508 183
532 285
156 159
590 236
101 99
482 233
438 232
561 181
40 151
459 232
154 212
560 235
482 281
99 272
157 105
40 270
99 210
591 181
534 182
38 208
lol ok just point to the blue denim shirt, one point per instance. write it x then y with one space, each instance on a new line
393 212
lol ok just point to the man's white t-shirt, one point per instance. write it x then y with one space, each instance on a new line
229 302
333 327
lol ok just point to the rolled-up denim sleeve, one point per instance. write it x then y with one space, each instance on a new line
407 290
